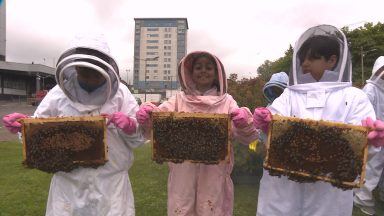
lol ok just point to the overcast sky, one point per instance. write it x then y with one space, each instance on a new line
242 33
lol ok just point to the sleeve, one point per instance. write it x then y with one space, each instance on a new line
362 109
369 90
282 104
48 106
129 106
169 105
247 134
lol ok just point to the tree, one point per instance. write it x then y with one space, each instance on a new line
268 68
368 41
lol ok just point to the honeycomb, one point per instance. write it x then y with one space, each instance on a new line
193 137
307 151
64 143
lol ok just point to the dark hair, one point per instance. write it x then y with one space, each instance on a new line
319 46
204 55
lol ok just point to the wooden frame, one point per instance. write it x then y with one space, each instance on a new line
175 117
88 150
357 139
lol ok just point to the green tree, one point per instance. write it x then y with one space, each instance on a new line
268 68
368 41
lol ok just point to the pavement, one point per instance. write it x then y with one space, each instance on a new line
7 107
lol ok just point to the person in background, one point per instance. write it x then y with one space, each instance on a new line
275 86
363 198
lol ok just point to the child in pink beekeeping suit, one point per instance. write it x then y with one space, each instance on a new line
193 188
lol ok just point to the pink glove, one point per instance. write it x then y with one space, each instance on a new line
10 122
123 122
143 115
376 136
239 118
261 118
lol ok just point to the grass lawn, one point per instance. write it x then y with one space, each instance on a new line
25 191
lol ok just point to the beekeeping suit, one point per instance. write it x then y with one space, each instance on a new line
200 189
332 98
107 189
375 91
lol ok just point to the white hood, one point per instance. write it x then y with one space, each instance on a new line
339 77
378 73
91 52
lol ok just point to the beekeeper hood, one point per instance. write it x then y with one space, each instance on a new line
377 77
278 80
91 53
185 73
338 77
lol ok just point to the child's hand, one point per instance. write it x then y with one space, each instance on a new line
376 136
261 118
143 115
123 122
239 118
10 122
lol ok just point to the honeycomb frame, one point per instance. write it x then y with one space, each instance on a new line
355 136
200 121
83 142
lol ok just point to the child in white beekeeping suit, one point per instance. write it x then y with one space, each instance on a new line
320 88
375 165
88 84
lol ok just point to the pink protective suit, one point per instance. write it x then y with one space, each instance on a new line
199 189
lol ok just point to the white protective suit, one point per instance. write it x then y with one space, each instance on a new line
332 98
107 189
375 91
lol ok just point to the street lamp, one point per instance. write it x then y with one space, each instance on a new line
363 53
145 73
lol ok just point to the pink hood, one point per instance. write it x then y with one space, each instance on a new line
185 71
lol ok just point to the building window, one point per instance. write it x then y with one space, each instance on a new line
152 53
151 65
14 83
152 35
152 47
167 41
167 29
152 41
146 77
154 77
167 47
167 65
154 71
152 29
167 53
167 35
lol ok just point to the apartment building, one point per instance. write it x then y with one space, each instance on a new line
160 44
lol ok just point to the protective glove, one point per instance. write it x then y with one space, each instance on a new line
143 115
122 121
376 136
261 118
10 122
239 118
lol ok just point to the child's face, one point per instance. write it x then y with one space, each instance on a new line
204 73
317 66
89 76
